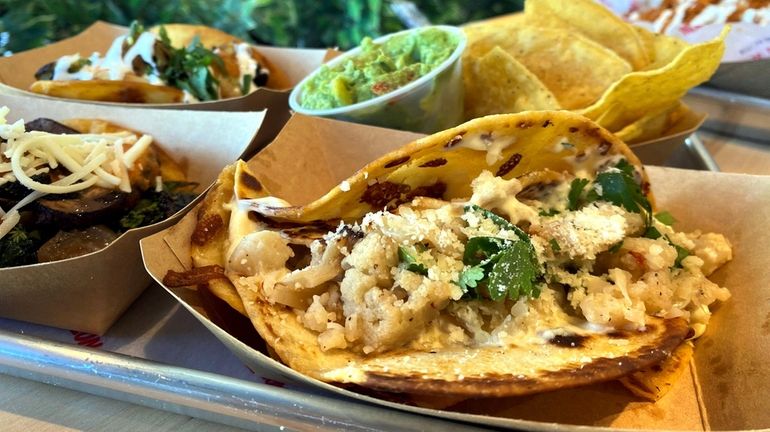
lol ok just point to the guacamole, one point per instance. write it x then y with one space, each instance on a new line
378 69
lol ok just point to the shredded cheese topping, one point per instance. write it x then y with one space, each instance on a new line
101 160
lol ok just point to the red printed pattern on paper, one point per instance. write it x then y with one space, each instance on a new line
87 339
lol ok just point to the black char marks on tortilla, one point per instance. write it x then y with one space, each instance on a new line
250 181
569 340
604 147
397 162
207 228
455 140
297 231
508 165
434 163
389 195
667 336
383 194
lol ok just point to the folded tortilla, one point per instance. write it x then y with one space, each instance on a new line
261 242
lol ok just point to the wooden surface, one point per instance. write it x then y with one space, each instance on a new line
738 156
27 405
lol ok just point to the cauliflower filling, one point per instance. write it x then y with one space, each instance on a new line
424 275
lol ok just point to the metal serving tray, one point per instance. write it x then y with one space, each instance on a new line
156 356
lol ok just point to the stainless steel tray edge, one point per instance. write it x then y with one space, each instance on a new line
732 114
203 395
697 150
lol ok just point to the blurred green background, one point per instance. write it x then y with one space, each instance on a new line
303 23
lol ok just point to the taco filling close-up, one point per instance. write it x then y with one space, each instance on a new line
511 255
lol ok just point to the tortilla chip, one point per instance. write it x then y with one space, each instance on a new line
444 164
664 48
654 382
497 83
638 93
109 91
593 20
575 69
650 126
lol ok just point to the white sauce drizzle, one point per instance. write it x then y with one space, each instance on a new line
114 65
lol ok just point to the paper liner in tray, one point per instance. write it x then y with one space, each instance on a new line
728 380
89 293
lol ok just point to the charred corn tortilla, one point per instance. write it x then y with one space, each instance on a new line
109 91
183 35
526 148
526 145
170 169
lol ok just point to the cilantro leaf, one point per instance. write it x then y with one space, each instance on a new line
665 218
575 191
514 274
470 277
618 187
554 245
616 247
410 262
652 233
507 268
549 212
190 68
497 220
480 250
681 253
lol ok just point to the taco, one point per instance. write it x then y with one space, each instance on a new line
71 188
511 255
168 64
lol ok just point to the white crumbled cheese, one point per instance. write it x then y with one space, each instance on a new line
345 186
587 232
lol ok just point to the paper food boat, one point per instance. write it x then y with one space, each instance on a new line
88 293
17 73
727 384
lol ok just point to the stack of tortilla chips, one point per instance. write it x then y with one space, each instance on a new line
577 55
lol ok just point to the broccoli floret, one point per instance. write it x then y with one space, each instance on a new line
19 247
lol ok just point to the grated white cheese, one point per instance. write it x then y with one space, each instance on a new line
91 159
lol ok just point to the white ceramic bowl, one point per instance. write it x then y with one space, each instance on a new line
431 103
